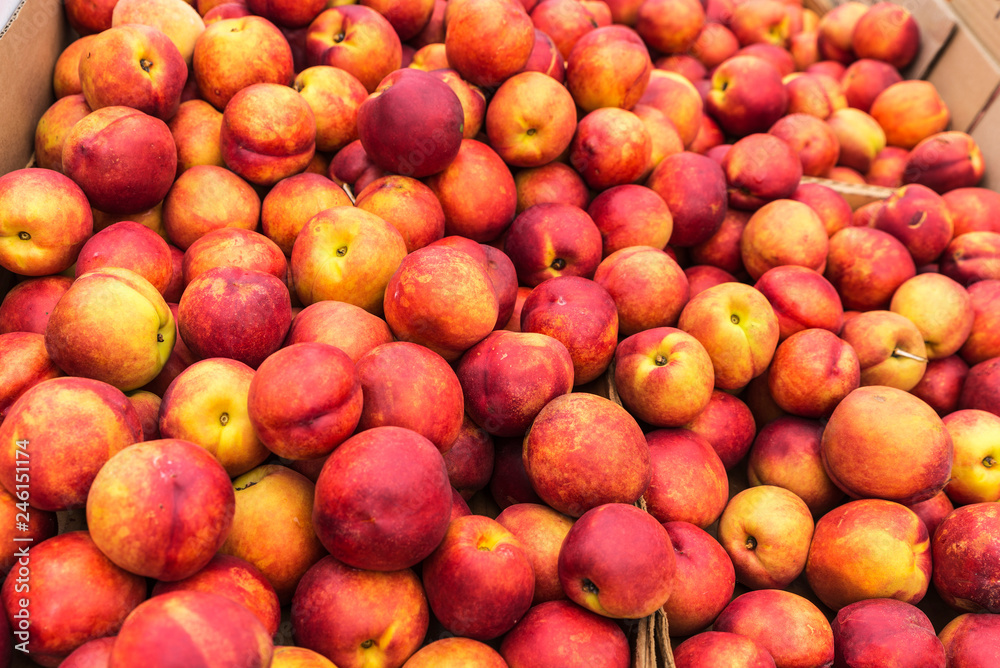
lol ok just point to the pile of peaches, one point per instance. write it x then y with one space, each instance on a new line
469 332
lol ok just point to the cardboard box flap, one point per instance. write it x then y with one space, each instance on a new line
983 19
33 38
965 76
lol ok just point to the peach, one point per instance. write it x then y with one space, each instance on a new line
982 342
766 531
909 112
334 95
422 306
293 201
964 545
807 95
487 42
541 531
172 625
738 328
357 39
66 74
497 394
581 315
530 120
888 167
470 459
342 325
836 31
408 205
679 101
974 434
812 371
647 285
683 462
801 299
860 136
886 630
298 657
555 182
791 628
454 652
865 78
687 66
36 610
96 421
365 249
829 205
973 210
651 366
546 58
570 435
941 383
635 567
268 133
562 633
179 21
694 188
25 364
146 521
274 508
747 95
45 221
728 425
890 348
236 313
592 79
804 47
947 325
717 648
476 551
133 66
472 209
237 580
945 161
887 32
386 403
590 153
783 232
362 515
971 258
102 154
564 22
91 654
816 142
233 246
131 246
631 215
933 511
206 404
970 639
387 130
786 453
704 579
714 45
206 198
195 128
760 168
473 101
722 249
252 40
54 126
979 389
670 26
323 416
862 428
709 136
866 266
550 240
128 347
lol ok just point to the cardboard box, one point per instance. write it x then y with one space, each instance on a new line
30 43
